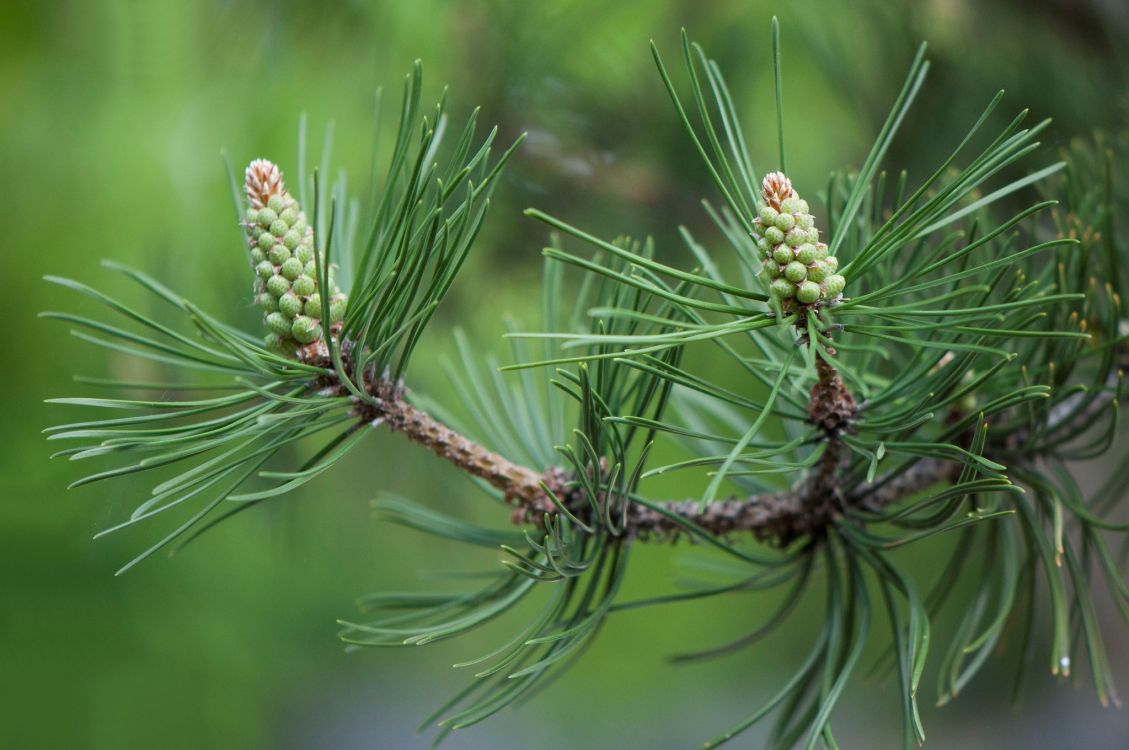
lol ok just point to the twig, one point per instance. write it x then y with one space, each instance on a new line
776 517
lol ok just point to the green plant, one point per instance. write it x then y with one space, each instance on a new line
936 380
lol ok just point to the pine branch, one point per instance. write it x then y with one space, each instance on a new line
778 517
522 487
783 517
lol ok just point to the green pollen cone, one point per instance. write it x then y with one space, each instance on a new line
281 244
796 263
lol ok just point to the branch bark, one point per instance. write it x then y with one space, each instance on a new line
521 485
777 517
782 517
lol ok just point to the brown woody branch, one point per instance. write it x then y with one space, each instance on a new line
782 517
777 517
521 486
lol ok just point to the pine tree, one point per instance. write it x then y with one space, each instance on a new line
917 360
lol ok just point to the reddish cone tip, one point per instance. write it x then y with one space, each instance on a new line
776 188
261 180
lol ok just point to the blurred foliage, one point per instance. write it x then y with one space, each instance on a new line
113 112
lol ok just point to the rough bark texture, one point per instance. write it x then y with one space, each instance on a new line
782 517
778 517
520 485
832 408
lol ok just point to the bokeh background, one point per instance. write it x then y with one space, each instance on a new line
112 117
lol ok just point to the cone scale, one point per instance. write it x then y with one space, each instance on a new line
281 243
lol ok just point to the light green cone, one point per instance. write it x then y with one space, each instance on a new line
797 266
281 244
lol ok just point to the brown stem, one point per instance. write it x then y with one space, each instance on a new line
832 408
779 517
776 517
782 517
520 485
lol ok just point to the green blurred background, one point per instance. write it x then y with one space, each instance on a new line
113 116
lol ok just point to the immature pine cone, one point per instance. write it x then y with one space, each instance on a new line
282 249
796 264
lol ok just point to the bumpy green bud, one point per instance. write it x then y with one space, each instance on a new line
783 289
276 202
291 239
290 305
313 306
267 216
291 269
257 256
808 292
304 253
266 241
310 269
279 344
278 285
337 308
289 214
266 301
796 264
279 228
796 272
278 255
305 330
264 269
304 285
278 323
833 286
252 215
